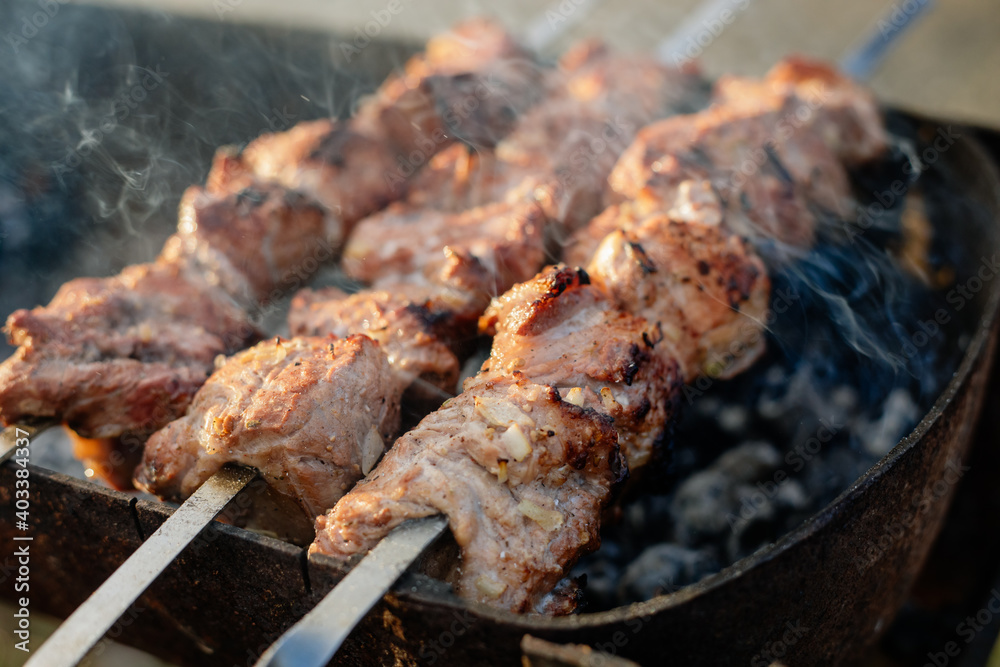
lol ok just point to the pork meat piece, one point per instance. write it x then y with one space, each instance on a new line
345 170
705 291
483 250
312 414
560 330
258 242
844 113
522 476
119 355
417 327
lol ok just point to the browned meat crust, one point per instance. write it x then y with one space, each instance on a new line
122 354
766 160
562 331
311 414
705 291
416 327
255 243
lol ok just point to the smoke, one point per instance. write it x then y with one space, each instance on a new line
106 116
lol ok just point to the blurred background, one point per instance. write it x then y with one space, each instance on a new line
108 110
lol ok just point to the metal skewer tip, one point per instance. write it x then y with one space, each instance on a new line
314 640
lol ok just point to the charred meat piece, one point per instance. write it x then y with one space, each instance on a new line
326 159
416 327
705 292
767 160
470 84
521 474
560 330
118 355
311 414
842 112
484 250
257 242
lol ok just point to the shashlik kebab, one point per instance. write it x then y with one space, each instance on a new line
522 462
124 355
433 276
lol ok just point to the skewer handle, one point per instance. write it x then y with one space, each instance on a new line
313 640
86 626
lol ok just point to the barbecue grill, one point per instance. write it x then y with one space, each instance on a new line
233 592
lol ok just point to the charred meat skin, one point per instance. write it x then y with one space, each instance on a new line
311 414
122 354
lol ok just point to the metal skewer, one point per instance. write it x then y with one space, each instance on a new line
317 636
87 625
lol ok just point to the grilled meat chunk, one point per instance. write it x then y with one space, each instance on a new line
847 116
416 327
521 474
767 160
470 84
123 354
560 330
328 160
483 250
255 243
311 414
704 291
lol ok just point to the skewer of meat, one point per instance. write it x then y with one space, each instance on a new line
508 462
428 290
120 357
89 622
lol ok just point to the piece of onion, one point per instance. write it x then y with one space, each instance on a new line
547 519
501 412
516 442
490 588
575 396
371 450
